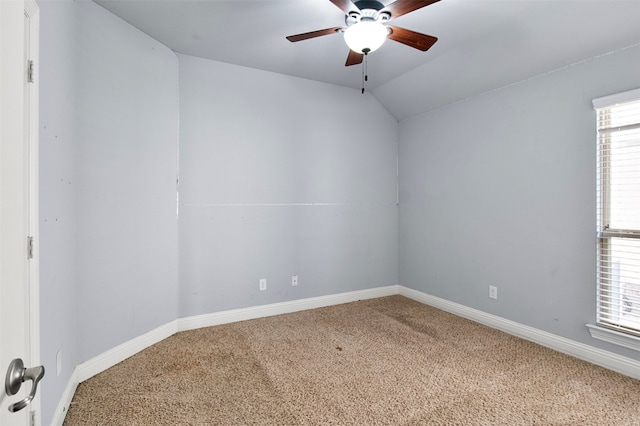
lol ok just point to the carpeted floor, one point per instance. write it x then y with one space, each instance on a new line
388 361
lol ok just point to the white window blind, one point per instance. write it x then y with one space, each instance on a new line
618 204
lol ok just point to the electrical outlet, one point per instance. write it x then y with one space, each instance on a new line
263 284
493 292
294 280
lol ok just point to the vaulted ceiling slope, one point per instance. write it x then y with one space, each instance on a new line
482 44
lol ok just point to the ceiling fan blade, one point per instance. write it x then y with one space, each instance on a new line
411 38
401 7
312 34
354 58
344 5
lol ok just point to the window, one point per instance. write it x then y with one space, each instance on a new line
618 212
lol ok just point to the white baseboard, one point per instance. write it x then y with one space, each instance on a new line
243 314
65 400
606 359
121 352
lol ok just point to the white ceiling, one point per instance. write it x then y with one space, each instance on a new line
483 44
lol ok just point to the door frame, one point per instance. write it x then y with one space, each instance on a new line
20 106
32 11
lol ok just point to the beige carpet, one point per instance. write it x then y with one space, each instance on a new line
388 361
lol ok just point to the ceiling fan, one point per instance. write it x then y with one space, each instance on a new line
366 27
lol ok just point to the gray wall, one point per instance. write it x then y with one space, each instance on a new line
108 166
127 134
281 176
58 181
500 190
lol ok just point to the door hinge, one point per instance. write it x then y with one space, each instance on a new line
29 247
30 71
32 418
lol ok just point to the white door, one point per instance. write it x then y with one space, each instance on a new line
18 211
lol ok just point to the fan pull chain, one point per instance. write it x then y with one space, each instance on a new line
365 72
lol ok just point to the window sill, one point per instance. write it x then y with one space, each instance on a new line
615 337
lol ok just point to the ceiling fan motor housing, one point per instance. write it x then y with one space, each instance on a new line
369 4
369 11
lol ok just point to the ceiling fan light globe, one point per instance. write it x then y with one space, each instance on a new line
365 35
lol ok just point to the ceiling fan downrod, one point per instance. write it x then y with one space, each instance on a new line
365 75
